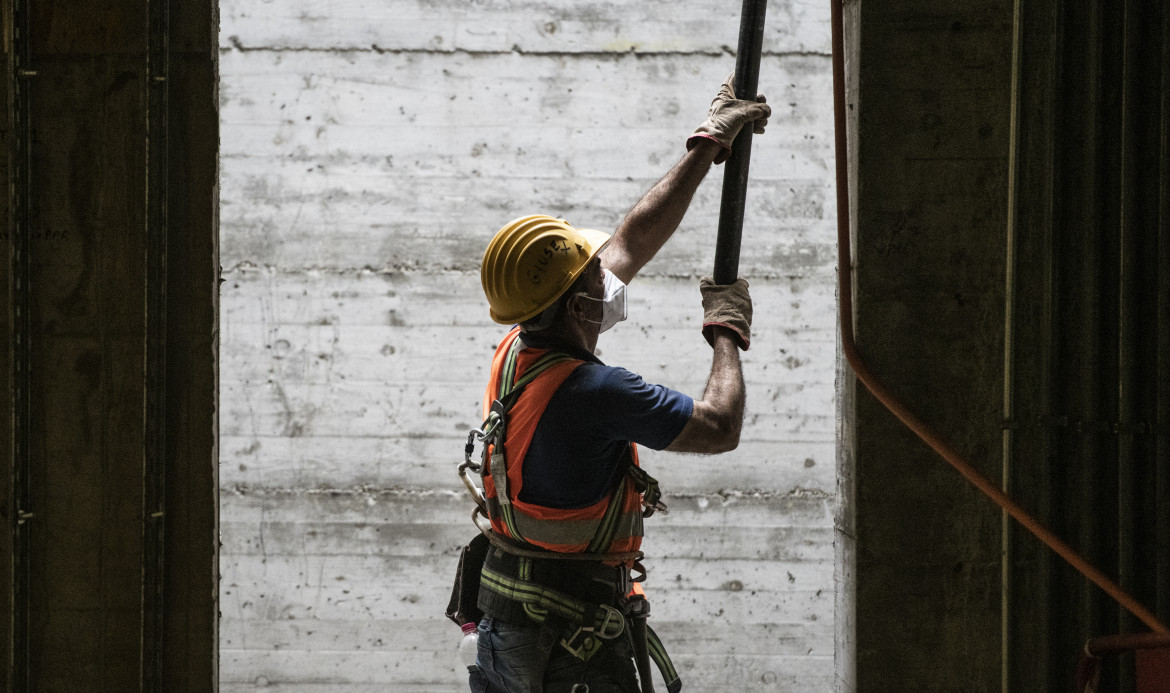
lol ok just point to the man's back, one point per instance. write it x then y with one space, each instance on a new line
579 443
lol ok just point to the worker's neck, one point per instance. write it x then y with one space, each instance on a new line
570 334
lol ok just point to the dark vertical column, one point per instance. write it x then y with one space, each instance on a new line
110 280
191 495
1148 127
1161 407
933 143
14 483
1142 147
1035 463
1095 155
1128 319
155 424
87 263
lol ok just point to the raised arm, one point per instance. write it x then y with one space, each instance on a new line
717 418
656 216
716 421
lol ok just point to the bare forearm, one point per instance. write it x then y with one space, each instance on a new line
655 217
717 419
725 390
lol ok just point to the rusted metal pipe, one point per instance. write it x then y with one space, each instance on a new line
1116 644
735 173
896 407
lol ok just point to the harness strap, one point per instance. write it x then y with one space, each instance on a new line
662 661
495 426
600 620
517 549
593 622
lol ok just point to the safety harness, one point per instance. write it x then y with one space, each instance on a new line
589 596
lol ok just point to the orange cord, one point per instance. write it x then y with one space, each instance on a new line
925 432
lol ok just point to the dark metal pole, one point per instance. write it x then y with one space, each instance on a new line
735 176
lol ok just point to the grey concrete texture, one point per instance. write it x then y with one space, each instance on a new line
932 132
368 153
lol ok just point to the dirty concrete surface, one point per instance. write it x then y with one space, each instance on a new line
369 151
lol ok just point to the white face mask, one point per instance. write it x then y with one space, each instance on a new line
613 304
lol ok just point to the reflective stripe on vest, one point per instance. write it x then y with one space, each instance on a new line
573 530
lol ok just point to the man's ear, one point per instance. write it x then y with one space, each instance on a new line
575 306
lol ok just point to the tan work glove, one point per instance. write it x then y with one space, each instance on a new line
727 116
727 305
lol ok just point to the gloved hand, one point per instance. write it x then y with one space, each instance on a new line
727 115
727 305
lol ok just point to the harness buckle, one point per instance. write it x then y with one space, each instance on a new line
613 625
584 648
581 644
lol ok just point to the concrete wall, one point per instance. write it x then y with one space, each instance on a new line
934 101
368 153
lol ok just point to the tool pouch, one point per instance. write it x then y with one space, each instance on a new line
465 593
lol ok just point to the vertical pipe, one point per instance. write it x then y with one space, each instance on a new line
735 174
155 389
1053 439
1130 228
1087 255
1009 409
20 674
1161 441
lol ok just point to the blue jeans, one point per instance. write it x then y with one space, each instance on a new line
522 659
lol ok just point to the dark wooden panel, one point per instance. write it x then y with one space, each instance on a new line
191 649
87 325
89 175
89 27
8 545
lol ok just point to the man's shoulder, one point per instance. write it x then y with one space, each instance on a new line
601 376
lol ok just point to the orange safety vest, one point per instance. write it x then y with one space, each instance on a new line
598 528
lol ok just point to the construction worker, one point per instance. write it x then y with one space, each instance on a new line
564 492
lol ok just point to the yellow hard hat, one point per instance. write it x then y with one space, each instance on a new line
531 261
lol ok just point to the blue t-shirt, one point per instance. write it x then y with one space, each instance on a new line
577 449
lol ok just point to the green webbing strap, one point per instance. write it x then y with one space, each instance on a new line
605 622
662 661
535 613
510 389
599 617
607 528
541 365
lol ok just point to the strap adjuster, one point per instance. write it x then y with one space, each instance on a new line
581 645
